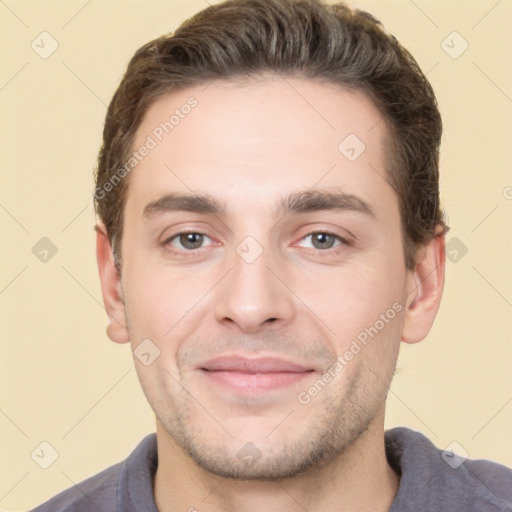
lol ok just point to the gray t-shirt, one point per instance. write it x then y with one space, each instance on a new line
431 480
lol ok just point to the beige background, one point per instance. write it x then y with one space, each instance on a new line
65 383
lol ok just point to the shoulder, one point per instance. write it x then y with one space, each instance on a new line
97 491
123 486
441 479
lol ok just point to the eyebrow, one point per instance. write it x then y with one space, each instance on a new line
298 202
316 200
188 203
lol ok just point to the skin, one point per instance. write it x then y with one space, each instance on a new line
248 145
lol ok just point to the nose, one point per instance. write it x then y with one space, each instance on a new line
253 297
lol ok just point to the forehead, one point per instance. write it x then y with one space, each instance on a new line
253 140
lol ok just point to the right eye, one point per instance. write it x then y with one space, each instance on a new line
188 241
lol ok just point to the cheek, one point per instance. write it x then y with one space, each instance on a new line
163 301
351 301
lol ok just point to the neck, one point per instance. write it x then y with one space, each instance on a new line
359 479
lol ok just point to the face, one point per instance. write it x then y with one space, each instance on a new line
265 265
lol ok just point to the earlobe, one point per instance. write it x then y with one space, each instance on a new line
111 288
425 289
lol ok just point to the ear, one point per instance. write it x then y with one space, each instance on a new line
424 291
111 288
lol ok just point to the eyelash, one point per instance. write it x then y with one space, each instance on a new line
343 242
337 248
168 240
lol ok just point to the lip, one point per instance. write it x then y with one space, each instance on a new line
253 375
242 364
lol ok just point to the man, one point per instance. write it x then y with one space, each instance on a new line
270 231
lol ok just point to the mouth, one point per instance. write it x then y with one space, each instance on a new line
252 376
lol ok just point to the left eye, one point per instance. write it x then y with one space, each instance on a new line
321 241
189 241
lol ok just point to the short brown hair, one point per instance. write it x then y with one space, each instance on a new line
306 38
